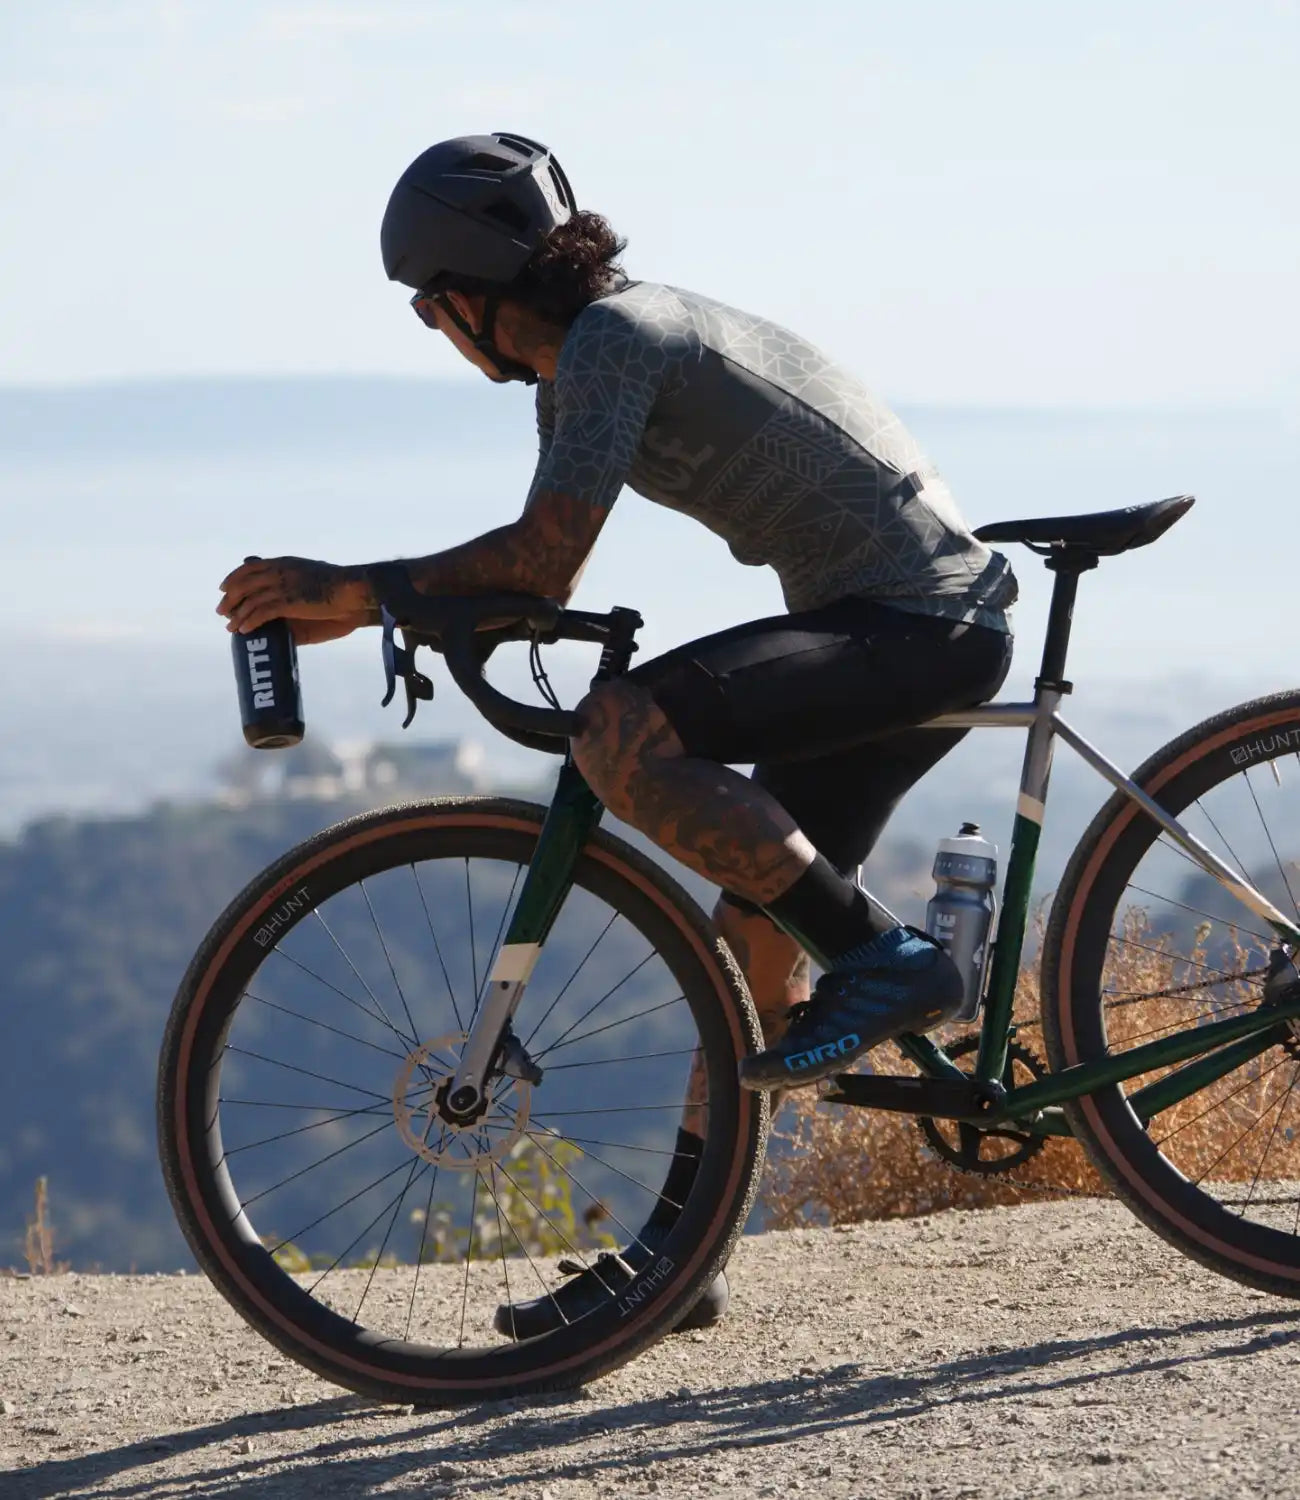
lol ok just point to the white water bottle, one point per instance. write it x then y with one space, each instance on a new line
961 913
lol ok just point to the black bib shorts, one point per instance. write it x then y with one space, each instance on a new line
824 704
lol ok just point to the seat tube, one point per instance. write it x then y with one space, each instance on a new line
1005 967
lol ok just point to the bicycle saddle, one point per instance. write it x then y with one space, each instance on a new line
1105 533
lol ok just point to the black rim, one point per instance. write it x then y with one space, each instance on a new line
1161 947
324 1167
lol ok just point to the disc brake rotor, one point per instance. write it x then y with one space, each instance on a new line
433 1132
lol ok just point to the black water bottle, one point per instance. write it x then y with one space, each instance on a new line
266 670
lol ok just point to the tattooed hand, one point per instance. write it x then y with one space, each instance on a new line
297 589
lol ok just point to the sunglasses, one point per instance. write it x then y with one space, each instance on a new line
425 305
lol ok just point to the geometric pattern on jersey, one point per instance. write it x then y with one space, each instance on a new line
769 443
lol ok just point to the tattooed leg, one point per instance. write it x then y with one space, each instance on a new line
717 822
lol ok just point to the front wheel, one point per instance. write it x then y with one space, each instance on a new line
1143 943
315 1174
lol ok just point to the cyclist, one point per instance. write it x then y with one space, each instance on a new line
896 612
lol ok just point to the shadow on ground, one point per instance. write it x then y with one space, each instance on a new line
842 1398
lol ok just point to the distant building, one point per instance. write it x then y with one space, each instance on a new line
319 772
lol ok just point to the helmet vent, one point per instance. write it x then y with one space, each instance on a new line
509 214
482 161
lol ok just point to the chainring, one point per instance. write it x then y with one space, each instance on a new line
987 1151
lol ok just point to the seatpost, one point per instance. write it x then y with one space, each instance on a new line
1067 563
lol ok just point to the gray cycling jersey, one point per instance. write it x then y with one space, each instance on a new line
770 444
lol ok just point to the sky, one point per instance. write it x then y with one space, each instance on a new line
1004 203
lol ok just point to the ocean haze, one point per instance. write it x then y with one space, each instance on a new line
127 503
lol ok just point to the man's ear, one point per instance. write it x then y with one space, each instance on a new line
469 306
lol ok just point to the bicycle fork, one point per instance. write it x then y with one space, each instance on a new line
574 813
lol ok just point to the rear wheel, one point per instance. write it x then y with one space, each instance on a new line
1142 943
314 1172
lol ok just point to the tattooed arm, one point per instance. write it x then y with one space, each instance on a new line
590 423
543 552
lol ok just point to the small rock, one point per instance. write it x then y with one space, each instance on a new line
685 1393
71 1310
243 1445
6 1408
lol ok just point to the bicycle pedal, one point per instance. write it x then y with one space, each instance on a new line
941 1097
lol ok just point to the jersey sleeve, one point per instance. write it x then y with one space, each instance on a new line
612 368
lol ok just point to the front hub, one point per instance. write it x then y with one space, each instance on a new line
429 1123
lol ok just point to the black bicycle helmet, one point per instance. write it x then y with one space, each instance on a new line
477 206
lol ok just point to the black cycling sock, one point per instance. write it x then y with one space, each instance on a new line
680 1178
828 909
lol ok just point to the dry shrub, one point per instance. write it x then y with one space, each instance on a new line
38 1244
834 1164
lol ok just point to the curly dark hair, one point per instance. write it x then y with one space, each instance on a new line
574 265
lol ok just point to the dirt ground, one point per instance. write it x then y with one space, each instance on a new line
1058 1349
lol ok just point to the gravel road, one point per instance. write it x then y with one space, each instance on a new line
1056 1349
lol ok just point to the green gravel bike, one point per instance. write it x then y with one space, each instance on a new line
434 1058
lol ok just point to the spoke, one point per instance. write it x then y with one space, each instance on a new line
416 1162
573 1041
469 1252
334 1264
314 1108
1219 1103
569 981
1197 912
591 1155
1240 863
1269 836
501 1230
527 1256
602 1062
285 1135
413 1039
573 1177
343 994
629 975
1179 958
558 1230
1228 1150
324 1026
614 1109
419 1259
437 948
306 1072
1184 1023
582 1140
302 1172
329 1213
1254 1181
388 958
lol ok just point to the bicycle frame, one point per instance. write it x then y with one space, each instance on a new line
1209 1051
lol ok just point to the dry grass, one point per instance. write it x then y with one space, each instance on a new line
38 1244
837 1165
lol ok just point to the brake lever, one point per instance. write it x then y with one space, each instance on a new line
399 661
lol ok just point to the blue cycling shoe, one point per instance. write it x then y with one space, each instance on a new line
900 981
